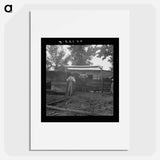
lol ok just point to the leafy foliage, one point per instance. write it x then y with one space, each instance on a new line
56 57
79 55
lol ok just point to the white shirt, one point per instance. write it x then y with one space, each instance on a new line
71 78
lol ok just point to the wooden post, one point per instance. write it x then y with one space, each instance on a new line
101 80
66 71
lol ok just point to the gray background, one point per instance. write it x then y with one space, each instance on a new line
142 82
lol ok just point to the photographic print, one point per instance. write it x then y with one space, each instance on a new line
79 79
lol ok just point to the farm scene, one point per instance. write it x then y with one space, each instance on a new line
79 80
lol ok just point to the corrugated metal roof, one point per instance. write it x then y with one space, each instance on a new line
84 67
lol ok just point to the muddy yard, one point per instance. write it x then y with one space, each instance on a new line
80 104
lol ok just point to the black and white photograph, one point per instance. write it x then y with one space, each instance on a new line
79 79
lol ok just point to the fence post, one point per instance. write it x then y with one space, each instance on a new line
101 80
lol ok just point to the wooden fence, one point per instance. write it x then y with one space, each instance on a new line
89 86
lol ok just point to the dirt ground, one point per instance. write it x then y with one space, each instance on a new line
95 103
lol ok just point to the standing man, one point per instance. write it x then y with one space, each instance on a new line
70 82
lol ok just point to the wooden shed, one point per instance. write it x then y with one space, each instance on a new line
96 74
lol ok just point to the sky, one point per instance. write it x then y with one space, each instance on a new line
104 63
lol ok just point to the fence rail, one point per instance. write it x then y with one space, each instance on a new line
89 86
